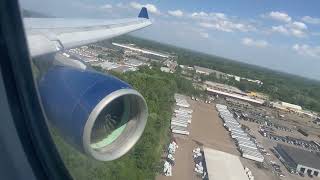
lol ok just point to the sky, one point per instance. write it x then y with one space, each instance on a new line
281 35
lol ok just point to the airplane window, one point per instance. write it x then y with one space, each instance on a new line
179 90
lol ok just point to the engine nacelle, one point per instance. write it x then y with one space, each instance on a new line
98 114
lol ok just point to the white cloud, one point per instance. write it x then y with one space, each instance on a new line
220 22
280 29
299 25
151 7
311 20
227 26
177 13
204 35
199 14
297 29
307 50
106 6
208 16
254 43
279 16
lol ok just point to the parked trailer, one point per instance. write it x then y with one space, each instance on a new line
249 143
186 109
229 125
178 128
240 137
237 134
243 146
239 131
183 105
179 124
182 120
180 132
189 111
248 156
182 115
182 112
256 154
251 152
232 122
236 130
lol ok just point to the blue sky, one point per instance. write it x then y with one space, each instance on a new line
282 35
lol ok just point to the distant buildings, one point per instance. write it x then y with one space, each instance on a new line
299 160
144 51
206 71
134 62
286 106
202 70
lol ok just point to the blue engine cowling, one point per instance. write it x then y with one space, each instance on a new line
98 114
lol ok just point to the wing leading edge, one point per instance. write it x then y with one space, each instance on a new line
50 35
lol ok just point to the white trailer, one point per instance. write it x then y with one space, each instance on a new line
239 131
179 124
180 132
183 105
182 120
251 151
181 111
239 134
244 146
236 130
185 123
248 156
248 143
229 125
186 109
240 137
232 122
183 116
178 128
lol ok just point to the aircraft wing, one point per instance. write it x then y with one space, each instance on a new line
50 35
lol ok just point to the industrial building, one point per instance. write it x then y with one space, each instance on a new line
236 96
202 70
221 165
299 160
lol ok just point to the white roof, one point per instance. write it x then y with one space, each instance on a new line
221 165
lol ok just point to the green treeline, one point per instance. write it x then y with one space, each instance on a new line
279 86
143 161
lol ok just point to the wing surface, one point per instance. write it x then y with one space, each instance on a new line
50 35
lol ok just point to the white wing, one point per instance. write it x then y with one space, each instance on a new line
50 35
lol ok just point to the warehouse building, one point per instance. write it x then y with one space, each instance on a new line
299 160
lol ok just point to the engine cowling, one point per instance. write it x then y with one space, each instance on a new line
98 114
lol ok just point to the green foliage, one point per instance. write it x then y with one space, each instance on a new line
143 161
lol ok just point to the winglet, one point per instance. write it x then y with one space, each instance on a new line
143 13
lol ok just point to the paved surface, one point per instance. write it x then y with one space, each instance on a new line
206 129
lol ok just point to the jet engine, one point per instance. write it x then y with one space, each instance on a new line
98 114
